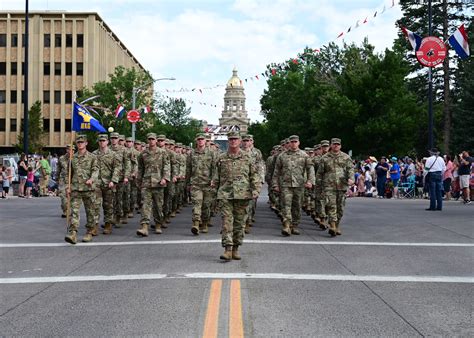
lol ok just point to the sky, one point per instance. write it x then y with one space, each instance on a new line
199 42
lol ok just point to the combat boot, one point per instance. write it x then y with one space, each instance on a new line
204 228
323 224
294 230
143 231
286 231
88 236
71 236
338 229
124 220
107 228
195 228
130 214
227 255
158 230
167 220
95 230
235 253
332 229
173 214
247 228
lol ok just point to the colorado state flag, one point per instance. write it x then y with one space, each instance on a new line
82 120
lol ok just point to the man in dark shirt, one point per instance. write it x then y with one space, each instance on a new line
381 170
464 171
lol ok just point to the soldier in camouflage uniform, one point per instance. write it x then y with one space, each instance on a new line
335 174
293 173
136 193
129 202
320 200
125 167
153 175
109 170
306 205
84 175
200 171
238 182
62 177
317 192
181 178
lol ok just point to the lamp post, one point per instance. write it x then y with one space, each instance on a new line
135 91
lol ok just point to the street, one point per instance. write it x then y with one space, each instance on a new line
397 270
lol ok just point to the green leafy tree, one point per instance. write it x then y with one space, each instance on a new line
35 130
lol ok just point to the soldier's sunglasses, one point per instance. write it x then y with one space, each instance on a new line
102 140
79 141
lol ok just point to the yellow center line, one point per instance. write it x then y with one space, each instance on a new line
236 325
212 314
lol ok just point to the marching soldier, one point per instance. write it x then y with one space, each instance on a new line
125 167
238 181
134 189
200 169
109 172
293 173
181 178
62 177
320 200
153 175
84 174
335 174
129 204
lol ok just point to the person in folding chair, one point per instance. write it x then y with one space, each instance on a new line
407 189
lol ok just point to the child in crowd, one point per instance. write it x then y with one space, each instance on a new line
30 177
6 177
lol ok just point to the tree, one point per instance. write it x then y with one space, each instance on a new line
35 130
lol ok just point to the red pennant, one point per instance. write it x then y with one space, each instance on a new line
294 61
342 33
256 76
316 50
200 91
274 71
365 20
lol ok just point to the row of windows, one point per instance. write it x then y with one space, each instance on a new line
58 40
46 128
46 68
46 96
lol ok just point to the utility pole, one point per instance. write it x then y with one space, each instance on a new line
25 89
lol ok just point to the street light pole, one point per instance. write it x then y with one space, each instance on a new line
135 91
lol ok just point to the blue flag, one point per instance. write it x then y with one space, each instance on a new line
82 120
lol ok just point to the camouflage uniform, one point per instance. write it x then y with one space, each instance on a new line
153 166
125 167
133 180
293 169
170 187
200 169
109 171
335 169
127 188
319 198
181 178
238 181
62 177
83 168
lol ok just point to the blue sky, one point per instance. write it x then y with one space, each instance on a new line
200 42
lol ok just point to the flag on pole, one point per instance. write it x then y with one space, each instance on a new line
413 38
82 120
459 42
119 111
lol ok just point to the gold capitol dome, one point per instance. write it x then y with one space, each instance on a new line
234 81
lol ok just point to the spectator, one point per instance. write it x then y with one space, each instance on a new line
360 184
6 178
395 175
29 181
434 170
54 165
44 171
411 169
464 171
367 178
22 172
381 169
448 176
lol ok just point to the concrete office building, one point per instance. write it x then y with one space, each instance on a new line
68 51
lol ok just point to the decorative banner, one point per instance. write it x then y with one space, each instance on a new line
432 51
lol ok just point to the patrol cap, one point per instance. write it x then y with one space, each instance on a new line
69 146
179 145
335 140
129 139
137 142
246 137
233 135
114 135
171 142
308 149
81 138
294 138
287 140
143 144
122 137
317 146
151 136
200 136
324 143
161 137
282 142
102 137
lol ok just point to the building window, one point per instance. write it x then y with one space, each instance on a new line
68 40
3 68
3 96
68 68
46 125
46 68
57 96
67 126
57 68
22 96
68 96
14 40
46 97
23 40
79 69
22 68
12 124
57 40
14 68
3 40
47 40
2 124
80 40
57 124
13 96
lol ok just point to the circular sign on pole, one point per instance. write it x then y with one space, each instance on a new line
133 116
432 51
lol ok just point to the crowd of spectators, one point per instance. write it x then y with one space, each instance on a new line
392 177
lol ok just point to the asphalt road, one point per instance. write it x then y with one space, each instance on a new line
397 270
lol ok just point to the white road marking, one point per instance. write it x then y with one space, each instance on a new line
204 275
248 241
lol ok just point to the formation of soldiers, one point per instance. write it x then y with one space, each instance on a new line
159 178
